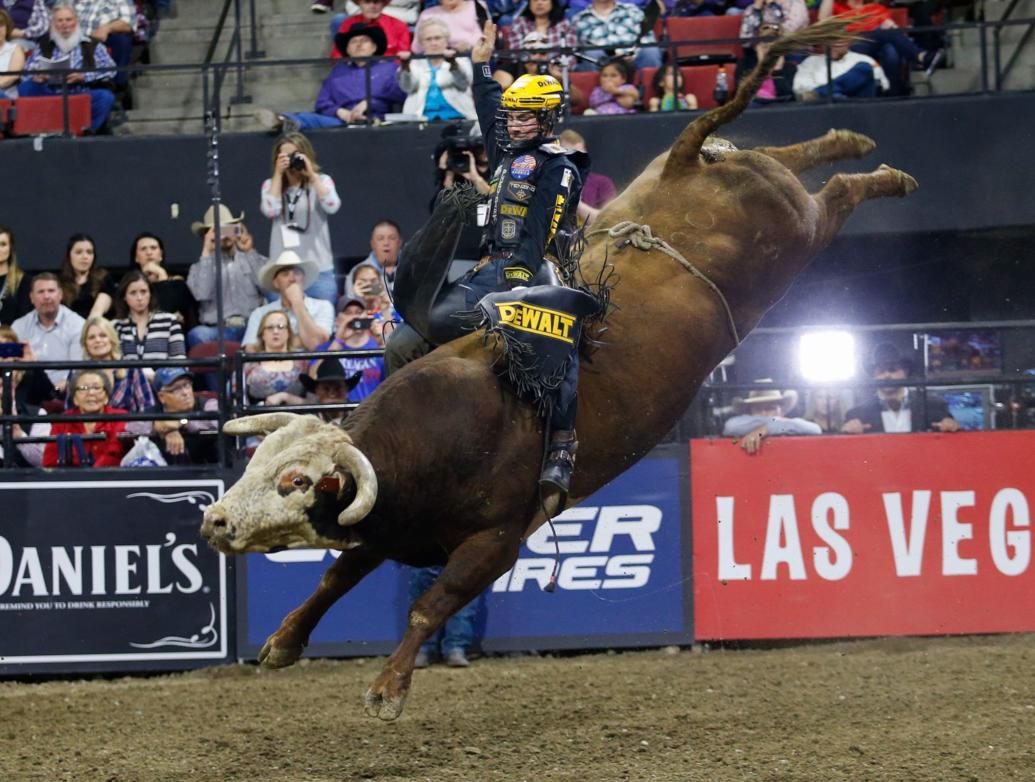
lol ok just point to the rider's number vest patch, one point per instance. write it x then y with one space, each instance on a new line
536 320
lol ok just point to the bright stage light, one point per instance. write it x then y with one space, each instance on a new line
826 356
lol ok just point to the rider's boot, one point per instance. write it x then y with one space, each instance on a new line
560 461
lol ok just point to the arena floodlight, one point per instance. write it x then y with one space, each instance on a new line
826 356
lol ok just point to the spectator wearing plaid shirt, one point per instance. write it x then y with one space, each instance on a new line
31 19
608 26
67 39
112 22
545 17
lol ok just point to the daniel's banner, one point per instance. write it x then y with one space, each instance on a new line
863 536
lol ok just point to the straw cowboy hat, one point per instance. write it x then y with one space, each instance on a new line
787 399
287 260
225 218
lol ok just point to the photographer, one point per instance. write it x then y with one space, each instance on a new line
353 332
461 155
298 198
24 400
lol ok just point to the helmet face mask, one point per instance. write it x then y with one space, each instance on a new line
528 111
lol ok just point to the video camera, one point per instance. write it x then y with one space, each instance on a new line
457 148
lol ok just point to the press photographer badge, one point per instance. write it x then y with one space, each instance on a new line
290 237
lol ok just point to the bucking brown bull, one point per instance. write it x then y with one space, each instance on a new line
439 465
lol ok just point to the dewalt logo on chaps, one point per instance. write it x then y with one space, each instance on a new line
536 320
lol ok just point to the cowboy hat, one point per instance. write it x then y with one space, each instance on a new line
371 31
787 399
287 260
329 371
226 217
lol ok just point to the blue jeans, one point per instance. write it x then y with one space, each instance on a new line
458 631
336 21
894 50
121 46
856 83
203 333
307 120
101 101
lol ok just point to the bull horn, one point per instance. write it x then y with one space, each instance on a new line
258 424
352 460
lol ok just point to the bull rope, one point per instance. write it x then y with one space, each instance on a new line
642 238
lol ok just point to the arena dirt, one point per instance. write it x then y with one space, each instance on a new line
928 709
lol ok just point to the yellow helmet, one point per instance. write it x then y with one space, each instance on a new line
533 93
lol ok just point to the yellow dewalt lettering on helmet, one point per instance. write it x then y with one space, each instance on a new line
537 320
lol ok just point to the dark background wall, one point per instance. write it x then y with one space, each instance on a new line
973 157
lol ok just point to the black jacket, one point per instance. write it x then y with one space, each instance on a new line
870 413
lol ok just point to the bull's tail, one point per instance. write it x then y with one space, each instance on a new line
688 146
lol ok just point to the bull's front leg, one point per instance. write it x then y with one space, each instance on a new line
285 646
472 567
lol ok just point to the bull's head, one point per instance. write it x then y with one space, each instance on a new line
290 490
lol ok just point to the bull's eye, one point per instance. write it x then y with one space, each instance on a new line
293 481
300 482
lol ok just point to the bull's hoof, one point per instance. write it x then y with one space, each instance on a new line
271 656
857 142
908 183
384 707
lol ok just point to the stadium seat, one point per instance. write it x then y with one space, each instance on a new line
5 108
46 115
586 81
211 350
695 28
697 79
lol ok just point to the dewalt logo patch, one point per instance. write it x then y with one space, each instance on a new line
514 210
537 320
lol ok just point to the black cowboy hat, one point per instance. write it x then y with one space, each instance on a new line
886 355
371 31
330 370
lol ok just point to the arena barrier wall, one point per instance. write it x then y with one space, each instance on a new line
871 535
105 571
624 580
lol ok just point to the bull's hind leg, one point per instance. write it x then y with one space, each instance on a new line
835 145
285 646
472 566
844 192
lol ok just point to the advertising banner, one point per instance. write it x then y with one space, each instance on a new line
905 534
105 574
621 581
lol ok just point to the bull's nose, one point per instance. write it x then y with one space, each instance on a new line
213 524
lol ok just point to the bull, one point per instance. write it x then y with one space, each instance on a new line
439 465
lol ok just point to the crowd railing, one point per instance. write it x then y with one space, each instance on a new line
213 71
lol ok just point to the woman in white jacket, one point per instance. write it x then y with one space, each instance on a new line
439 87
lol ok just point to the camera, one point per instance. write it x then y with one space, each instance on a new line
458 147
360 324
297 163
12 350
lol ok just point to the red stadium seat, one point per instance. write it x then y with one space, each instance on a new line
698 80
46 115
696 28
586 81
211 350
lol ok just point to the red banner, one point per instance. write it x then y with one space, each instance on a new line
861 536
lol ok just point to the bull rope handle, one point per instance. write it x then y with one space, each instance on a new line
642 238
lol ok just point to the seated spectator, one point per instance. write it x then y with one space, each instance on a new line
855 75
439 87
615 94
353 332
545 17
385 244
331 386
87 289
463 20
14 283
535 61
30 20
598 189
343 96
91 390
144 331
112 23
894 408
405 11
311 319
275 381
67 43
789 15
368 287
878 37
147 252
51 328
371 13
182 441
240 283
130 388
668 91
779 86
34 387
298 198
26 454
611 27
826 407
12 58
763 413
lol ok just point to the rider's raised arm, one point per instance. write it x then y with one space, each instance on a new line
487 91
